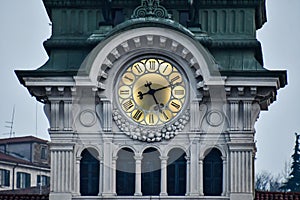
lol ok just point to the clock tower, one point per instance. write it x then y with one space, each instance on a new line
153 99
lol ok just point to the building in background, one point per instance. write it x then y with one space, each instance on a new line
24 163
153 99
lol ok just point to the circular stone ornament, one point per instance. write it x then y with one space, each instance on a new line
215 118
87 118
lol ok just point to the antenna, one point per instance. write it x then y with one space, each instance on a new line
11 123
36 118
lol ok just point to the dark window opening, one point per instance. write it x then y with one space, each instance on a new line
176 184
151 173
4 178
213 173
44 153
118 16
89 173
43 180
184 18
23 180
125 178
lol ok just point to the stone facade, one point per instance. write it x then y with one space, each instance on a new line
227 87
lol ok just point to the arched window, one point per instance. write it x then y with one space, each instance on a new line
125 178
151 172
176 184
89 173
213 173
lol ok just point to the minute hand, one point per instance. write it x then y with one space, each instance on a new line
155 90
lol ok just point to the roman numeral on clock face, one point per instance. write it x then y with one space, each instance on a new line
128 105
138 68
179 92
124 92
152 65
151 118
165 116
175 78
138 115
175 105
128 78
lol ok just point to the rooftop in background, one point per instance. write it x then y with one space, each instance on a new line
12 159
45 190
25 139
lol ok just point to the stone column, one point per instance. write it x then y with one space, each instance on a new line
107 120
100 176
163 184
201 176
114 172
234 115
224 183
54 116
77 176
187 175
68 118
138 175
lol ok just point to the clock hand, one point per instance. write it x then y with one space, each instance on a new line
164 87
150 91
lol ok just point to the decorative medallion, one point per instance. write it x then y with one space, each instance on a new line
215 118
87 118
150 8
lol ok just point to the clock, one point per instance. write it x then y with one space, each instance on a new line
151 99
151 91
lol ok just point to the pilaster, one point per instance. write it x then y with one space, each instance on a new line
194 173
107 168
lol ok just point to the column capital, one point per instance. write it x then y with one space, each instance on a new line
163 158
138 157
78 159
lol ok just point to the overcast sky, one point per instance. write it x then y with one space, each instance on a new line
24 25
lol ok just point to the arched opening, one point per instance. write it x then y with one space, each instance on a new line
213 173
125 178
89 173
176 181
151 173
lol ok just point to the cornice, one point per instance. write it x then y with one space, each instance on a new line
234 43
66 43
230 2
72 3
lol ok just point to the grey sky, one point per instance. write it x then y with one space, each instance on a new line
24 26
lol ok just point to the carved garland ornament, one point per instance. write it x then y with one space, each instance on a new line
143 133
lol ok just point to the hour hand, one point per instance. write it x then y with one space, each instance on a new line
140 95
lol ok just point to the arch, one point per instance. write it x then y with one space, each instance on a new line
110 53
151 172
213 173
89 172
208 149
125 172
92 147
117 150
176 146
153 146
176 172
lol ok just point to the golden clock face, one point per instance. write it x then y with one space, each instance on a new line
151 91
